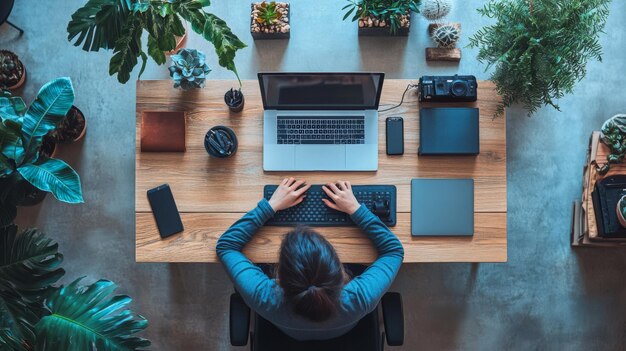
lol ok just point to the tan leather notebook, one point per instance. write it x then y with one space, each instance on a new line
163 131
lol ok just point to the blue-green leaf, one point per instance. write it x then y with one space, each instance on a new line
55 176
51 105
87 317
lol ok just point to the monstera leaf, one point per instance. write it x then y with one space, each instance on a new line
98 24
88 318
9 342
51 105
30 262
29 265
119 24
55 176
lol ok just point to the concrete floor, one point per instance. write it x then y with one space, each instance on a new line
547 297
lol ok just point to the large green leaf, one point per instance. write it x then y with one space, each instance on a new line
51 105
29 265
99 23
17 317
127 51
30 262
9 342
55 176
12 108
11 146
213 29
88 318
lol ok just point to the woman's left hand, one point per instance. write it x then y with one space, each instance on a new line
289 193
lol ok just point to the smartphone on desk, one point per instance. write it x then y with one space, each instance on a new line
165 211
395 135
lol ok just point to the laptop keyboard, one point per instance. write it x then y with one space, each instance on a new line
321 130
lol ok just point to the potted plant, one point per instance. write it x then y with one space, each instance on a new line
613 135
234 100
538 49
12 71
270 20
382 17
26 166
189 69
119 25
71 128
44 316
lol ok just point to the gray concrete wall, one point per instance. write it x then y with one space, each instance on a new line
547 297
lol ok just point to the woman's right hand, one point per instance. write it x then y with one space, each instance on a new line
343 198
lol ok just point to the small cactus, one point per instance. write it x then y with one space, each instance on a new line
446 36
434 10
189 69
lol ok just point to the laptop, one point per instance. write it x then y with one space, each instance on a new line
320 121
442 207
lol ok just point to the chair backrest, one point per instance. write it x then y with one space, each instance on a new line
6 6
365 336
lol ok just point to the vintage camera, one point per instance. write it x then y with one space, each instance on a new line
448 88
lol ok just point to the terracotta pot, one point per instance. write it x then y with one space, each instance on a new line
82 134
180 41
22 80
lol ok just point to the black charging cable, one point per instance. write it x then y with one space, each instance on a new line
410 86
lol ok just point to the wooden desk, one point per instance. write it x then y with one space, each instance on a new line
211 194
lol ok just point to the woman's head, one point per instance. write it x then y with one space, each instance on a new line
310 273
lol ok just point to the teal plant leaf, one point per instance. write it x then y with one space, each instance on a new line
55 176
87 318
51 105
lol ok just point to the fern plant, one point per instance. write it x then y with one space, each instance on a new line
539 49
119 25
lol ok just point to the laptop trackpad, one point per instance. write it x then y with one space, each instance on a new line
320 157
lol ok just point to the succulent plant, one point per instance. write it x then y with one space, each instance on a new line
11 69
434 10
446 36
269 13
189 69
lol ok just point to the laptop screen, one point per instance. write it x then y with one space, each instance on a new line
321 91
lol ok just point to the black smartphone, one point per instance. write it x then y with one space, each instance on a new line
165 210
395 136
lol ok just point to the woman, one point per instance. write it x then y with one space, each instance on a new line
312 297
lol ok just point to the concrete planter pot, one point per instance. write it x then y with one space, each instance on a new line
373 27
263 32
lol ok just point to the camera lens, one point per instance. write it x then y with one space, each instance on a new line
458 88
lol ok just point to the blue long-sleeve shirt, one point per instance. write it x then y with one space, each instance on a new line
263 294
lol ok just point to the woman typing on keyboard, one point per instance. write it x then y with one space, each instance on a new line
311 296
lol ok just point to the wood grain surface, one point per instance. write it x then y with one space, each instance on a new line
212 193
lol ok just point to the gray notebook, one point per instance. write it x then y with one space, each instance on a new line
442 207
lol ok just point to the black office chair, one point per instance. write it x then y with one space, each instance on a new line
365 336
6 6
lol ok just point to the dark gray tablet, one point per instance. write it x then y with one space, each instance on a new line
449 131
442 207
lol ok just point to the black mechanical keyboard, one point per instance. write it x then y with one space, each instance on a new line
380 199
320 130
